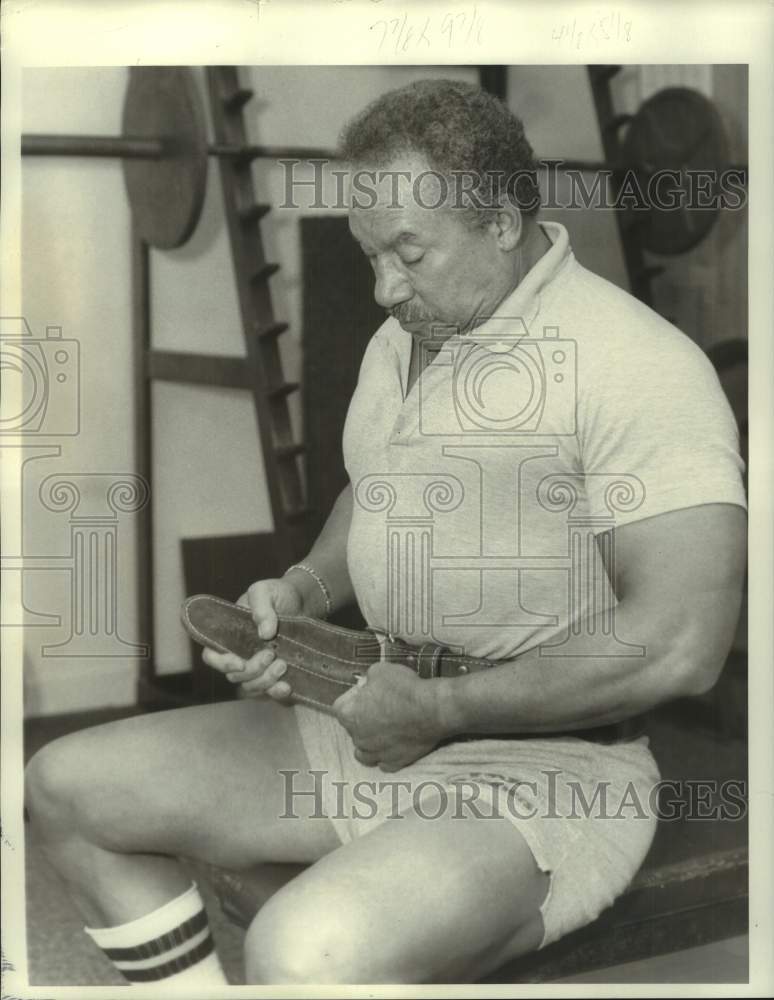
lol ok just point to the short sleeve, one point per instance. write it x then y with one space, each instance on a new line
652 415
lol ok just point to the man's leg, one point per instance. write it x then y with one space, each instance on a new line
112 807
416 901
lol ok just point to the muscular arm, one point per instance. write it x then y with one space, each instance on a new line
678 577
328 556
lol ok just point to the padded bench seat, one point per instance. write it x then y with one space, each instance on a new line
669 906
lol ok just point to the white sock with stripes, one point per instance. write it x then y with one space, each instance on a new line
170 945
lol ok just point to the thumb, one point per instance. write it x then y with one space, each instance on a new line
267 628
345 701
264 611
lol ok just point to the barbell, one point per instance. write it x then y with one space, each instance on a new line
165 153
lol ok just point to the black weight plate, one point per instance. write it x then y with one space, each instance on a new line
677 129
166 195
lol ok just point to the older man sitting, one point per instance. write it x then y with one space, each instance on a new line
564 498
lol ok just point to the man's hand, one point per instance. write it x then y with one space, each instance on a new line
392 716
260 675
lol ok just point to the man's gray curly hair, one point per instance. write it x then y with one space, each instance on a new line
461 131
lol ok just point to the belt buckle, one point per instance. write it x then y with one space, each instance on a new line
383 636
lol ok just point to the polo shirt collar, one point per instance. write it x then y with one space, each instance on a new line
523 304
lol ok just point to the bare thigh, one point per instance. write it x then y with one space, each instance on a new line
415 901
202 782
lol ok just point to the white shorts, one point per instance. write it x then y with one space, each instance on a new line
586 810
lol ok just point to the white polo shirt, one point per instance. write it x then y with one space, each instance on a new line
480 493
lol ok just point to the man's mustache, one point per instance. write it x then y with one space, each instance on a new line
407 315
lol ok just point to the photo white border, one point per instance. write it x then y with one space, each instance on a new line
193 32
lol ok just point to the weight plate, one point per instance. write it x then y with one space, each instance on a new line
166 195
676 129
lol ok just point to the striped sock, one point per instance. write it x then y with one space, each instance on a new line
170 945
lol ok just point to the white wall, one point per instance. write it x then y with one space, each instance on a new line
75 246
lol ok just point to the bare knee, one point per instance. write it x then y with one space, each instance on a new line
67 786
300 936
52 788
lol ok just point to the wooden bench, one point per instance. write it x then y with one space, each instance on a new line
667 907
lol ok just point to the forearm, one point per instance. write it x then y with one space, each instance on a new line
328 558
542 693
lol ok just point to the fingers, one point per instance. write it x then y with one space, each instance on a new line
280 692
390 767
376 758
345 707
367 757
230 663
223 662
260 675
380 758
344 704
258 678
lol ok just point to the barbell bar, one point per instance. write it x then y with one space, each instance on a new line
137 148
165 152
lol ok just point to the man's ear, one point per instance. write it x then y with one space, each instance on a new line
508 226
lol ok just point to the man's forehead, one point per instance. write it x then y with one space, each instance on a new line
386 225
396 207
403 180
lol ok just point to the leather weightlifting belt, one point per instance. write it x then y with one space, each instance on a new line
324 660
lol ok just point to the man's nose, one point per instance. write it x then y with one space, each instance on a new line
391 286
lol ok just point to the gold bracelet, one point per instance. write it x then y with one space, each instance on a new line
320 583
